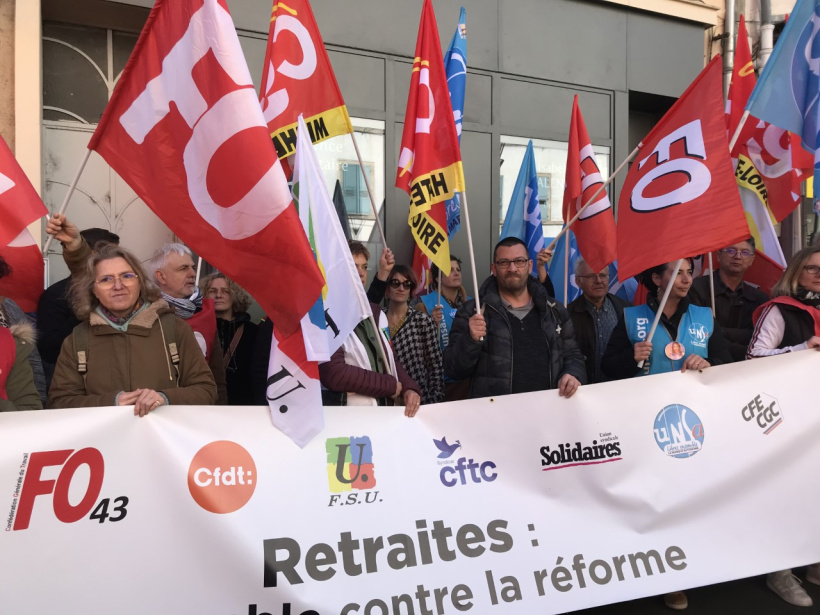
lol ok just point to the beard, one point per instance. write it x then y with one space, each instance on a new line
513 282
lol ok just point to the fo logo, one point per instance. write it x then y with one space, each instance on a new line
350 467
678 431
222 477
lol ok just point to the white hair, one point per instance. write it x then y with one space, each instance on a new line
578 264
160 258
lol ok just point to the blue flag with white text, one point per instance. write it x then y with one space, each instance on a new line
455 67
523 219
788 90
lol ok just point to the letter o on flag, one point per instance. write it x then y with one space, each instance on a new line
256 209
699 180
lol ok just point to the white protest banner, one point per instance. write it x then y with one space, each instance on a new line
518 504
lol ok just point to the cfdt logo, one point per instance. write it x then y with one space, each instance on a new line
463 470
678 431
79 478
764 412
222 477
350 468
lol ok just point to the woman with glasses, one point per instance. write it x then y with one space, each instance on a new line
129 349
414 336
236 333
788 323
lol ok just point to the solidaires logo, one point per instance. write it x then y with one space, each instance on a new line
678 431
222 477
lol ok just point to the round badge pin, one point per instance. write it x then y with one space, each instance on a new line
675 351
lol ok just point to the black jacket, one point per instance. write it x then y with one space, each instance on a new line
585 333
238 367
733 310
489 363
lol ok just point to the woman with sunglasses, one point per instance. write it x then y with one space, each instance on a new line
414 336
788 323
129 348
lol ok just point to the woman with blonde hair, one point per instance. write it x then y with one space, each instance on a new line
236 333
788 323
130 348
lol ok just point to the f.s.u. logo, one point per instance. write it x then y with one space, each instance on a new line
675 179
350 464
69 462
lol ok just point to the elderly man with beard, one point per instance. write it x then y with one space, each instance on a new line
524 341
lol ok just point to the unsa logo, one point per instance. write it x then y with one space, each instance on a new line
678 431
222 477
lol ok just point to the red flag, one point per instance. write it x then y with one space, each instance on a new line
297 78
25 284
430 168
595 229
775 153
421 267
184 128
20 205
680 197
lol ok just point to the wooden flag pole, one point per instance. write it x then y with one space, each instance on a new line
198 270
566 272
712 284
595 196
369 191
71 189
736 136
659 313
472 254
439 288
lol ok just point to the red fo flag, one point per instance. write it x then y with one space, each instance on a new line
775 153
680 198
19 206
595 229
430 168
297 78
184 128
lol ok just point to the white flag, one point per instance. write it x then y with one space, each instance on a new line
343 303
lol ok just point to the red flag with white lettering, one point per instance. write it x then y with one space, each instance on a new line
595 229
776 154
429 168
20 205
184 128
680 197
297 77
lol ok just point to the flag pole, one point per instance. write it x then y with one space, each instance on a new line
369 191
712 284
198 270
472 254
566 271
71 188
438 286
659 313
595 196
736 136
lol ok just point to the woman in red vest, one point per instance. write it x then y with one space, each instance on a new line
787 323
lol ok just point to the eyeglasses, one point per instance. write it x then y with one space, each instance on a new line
734 252
593 276
407 284
108 281
812 269
505 263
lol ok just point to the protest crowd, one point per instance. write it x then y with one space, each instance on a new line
118 332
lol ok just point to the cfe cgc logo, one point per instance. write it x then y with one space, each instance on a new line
763 411
678 431
222 477
72 480
350 468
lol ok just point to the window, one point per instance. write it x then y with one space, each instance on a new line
354 189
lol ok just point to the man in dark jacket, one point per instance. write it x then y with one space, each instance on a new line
594 315
523 342
735 300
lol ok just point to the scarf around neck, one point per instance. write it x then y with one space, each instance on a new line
185 307
807 297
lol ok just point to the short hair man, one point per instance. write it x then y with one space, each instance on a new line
523 342
55 320
735 300
175 274
594 316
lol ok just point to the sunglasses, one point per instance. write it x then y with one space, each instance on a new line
407 284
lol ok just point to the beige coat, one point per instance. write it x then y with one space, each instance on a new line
137 358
